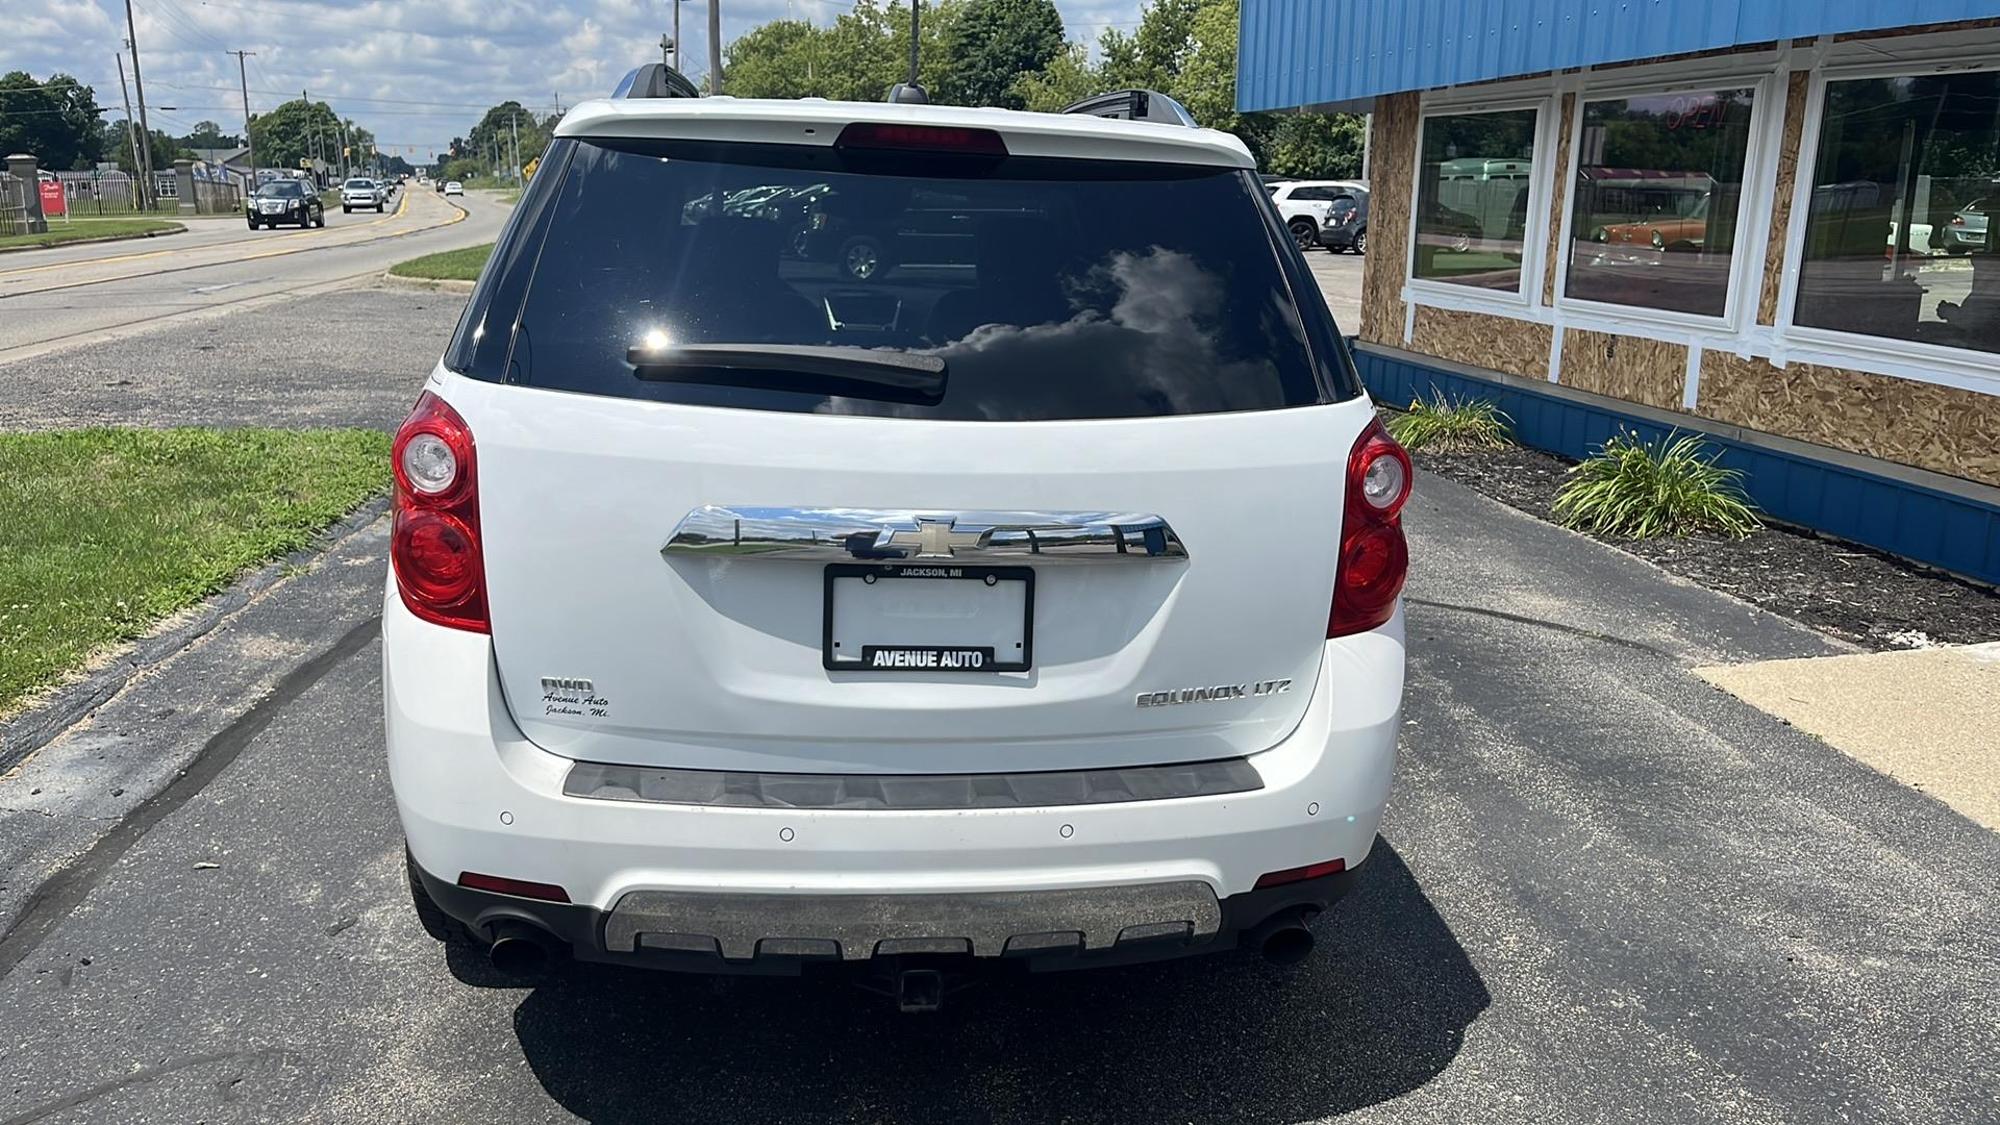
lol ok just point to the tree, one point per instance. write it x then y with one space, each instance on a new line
993 43
1318 146
295 131
856 58
1067 79
207 134
57 120
117 148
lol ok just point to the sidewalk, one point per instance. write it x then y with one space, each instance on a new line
1928 717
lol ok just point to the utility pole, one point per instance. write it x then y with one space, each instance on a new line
145 153
916 7
514 123
676 64
131 130
250 146
714 49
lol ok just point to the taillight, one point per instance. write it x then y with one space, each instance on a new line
434 544
1374 559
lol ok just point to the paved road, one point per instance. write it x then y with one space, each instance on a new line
67 297
1605 893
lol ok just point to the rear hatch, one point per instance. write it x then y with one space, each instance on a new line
1061 491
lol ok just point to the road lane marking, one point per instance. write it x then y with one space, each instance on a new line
399 212
459 216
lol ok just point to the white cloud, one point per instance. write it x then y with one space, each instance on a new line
414 72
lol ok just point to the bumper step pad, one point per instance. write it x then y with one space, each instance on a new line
857 927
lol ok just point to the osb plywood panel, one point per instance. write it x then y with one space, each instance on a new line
1633 368
1497 343
1559 201
1391 158
1781 201
1942 429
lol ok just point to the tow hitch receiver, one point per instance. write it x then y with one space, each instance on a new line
919 990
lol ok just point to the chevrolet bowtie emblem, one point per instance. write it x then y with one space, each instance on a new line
934 539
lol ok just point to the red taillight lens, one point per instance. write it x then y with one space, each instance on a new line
434 544
520 888
1374 559
922 138
1301 874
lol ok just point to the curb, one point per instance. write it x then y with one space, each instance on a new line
92 241
71 703
433 284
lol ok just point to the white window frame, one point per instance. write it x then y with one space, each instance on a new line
1965 368
1520 303
1746 269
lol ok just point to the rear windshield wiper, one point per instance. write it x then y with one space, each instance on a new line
881 374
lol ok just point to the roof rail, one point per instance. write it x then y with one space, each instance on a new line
655 80
1135 105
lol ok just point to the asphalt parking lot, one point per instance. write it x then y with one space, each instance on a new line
1605 892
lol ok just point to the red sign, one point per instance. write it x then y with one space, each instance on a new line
53 202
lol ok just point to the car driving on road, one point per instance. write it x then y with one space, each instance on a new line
1037 606
359 192
453 187
285 201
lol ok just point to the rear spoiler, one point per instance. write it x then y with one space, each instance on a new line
1135 105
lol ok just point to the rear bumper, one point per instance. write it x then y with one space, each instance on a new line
812 931
474 795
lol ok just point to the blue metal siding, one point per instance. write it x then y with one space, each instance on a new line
1952 532
1305 52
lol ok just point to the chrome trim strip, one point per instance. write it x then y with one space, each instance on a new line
886 535
1041 789
855 927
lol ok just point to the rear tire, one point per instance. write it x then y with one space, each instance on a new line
1361 243
1304 234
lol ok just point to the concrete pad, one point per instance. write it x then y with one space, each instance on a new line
1929 717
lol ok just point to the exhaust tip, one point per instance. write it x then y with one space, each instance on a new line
519 950
1289 944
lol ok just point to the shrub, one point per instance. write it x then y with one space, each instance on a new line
1638 490
1442 425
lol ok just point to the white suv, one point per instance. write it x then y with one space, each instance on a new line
1035 602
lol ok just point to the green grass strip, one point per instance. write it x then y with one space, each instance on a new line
103 532
82 229
450 265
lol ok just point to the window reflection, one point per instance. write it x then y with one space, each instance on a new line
1472 198
1653 222
1896 242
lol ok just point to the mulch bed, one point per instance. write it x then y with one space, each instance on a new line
1843 589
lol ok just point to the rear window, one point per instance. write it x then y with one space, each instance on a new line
1048 288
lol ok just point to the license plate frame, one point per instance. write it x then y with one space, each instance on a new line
926 572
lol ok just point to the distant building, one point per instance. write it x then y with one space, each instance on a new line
1766 222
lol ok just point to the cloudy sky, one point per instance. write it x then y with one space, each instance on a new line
415 72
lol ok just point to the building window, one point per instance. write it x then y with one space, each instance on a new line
1659 181
1897 242
1473 198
